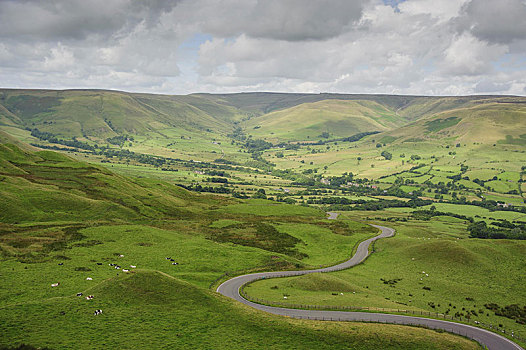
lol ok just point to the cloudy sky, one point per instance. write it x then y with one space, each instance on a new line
425 47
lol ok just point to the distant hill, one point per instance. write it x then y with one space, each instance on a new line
99 115
494 121
324 119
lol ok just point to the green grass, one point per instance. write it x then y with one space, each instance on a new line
440 124
261 207
470 210
487 271
149 309
57 209
320 243
308 121
222 223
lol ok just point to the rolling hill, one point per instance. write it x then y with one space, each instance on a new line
46 186
97 115
494 121
330 118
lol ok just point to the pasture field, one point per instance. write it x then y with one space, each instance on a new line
161 304
111 190
470 210
430 266
154 310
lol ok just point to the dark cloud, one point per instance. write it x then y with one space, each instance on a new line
290 20
77 19
499 22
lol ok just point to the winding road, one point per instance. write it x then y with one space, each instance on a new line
231 289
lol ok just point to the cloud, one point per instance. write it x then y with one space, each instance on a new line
498 22
488 86
184 46
289 20
469 56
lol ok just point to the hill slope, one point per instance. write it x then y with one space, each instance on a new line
335 118
98 115
48 186
495 121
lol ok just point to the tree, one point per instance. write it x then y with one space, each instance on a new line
387 155
260 194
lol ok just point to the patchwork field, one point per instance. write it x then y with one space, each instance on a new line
236 183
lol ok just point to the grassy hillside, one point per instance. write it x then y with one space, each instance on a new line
39 186
335 118
149 309
428 266
98 115
64 221
492 122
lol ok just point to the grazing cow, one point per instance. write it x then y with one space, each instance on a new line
133 266
168 258
125 270
89 278
97 312
90 297
99 263
55 284
121 256
117 267
60 264
172 260
174 263
79 294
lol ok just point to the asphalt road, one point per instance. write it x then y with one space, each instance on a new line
230 288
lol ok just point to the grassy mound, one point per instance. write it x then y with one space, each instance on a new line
321 282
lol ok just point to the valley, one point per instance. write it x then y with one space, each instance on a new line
230 184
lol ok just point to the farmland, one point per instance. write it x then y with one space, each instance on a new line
229 184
